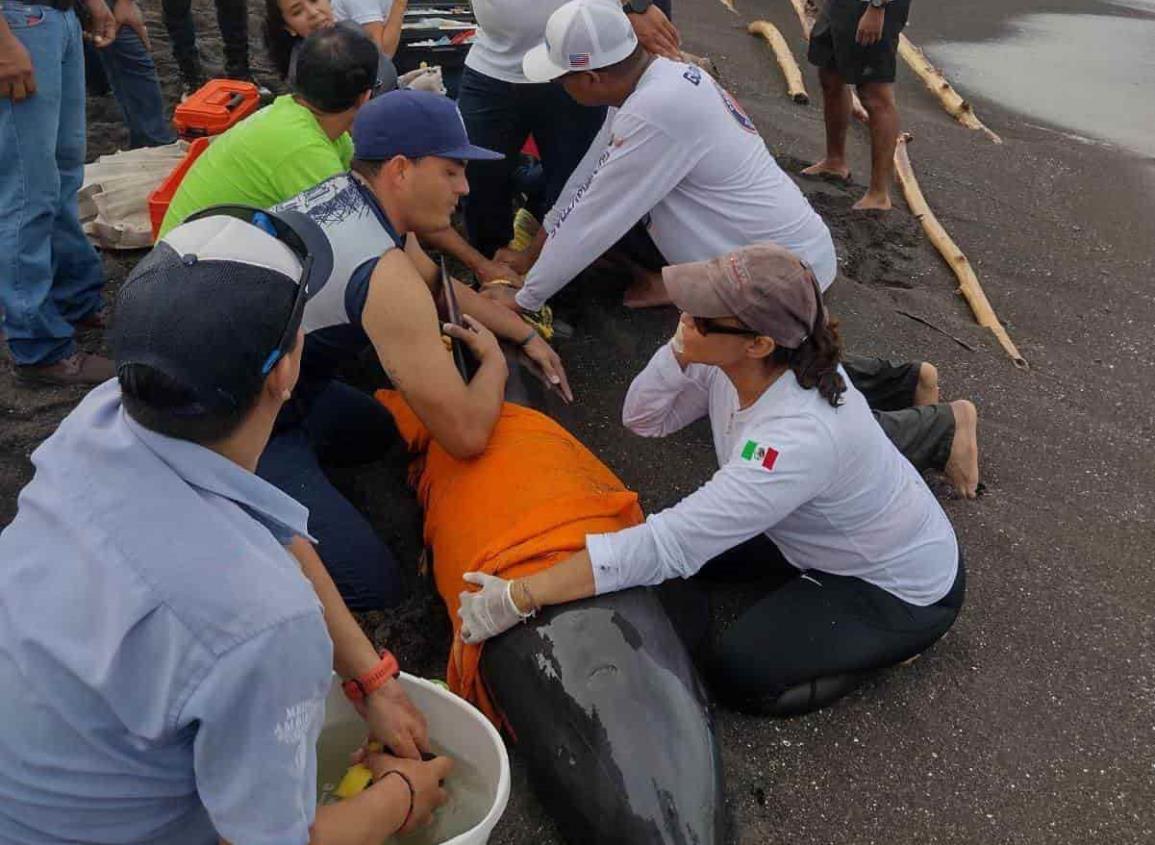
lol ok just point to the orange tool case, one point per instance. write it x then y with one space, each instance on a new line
214 107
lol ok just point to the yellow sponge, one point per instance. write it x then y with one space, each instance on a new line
356 779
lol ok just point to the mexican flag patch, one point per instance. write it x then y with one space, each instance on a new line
765 455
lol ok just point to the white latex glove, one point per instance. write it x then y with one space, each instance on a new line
423 79
489 611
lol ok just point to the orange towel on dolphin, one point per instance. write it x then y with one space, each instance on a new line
527 502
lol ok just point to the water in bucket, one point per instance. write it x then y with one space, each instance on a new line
470 796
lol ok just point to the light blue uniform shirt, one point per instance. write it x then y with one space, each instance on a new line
163 660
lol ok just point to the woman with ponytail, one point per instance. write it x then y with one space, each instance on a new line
808 485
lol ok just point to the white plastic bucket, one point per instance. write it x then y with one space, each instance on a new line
478 786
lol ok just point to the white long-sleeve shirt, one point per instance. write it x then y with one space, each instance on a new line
362 11
682 156
507 30
823 483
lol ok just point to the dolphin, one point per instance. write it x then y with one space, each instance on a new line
602 701
605 706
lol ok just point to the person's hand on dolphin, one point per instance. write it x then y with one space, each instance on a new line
489 611
543 357
503 295
519 259
494 270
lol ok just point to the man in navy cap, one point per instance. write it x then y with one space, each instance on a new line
164 660
377 292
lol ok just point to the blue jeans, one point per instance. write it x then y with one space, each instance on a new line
343 427
50 276
127 68
499 115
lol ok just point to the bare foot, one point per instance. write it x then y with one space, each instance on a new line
962 468
826 167
646 291
873 202
926 391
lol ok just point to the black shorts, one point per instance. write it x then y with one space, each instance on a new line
834 43
924 434
886 385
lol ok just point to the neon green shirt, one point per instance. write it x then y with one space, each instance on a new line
265 159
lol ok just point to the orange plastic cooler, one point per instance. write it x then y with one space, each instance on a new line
159 199
217 105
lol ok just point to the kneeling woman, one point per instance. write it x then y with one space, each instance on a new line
879 574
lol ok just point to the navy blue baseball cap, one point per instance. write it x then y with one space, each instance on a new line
414 124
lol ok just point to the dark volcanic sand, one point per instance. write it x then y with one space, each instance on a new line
1032 721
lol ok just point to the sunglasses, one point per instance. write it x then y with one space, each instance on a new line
705 326
279 228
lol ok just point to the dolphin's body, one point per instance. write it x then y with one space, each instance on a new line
606 708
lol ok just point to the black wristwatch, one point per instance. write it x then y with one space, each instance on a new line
636 7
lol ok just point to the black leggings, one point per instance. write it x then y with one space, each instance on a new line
816 638
342 427
233 20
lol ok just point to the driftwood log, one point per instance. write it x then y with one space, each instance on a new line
937 83
807 14
969 285
794 85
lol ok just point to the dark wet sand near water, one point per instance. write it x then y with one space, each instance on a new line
1031 722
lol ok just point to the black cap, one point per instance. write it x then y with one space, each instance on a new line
209 306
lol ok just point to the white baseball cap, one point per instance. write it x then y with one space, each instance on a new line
581 35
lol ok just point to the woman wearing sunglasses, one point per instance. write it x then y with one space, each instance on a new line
806 478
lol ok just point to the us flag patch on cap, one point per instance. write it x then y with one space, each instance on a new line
756 452
579 59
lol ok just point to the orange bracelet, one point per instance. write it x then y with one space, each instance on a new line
356 689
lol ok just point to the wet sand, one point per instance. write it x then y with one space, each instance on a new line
1031 721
